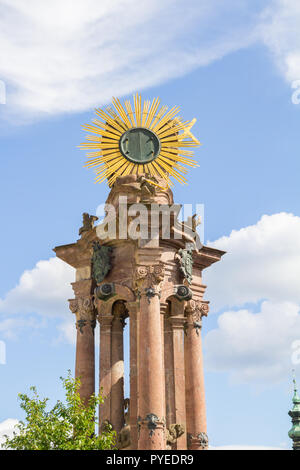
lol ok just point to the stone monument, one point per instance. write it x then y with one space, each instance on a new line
144 266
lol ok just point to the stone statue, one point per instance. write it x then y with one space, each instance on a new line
185 259
87 222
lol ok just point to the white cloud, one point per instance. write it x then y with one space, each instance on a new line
43 290
11 327
280 32
7 428
262 265
262 262
72 55
68 331
254 346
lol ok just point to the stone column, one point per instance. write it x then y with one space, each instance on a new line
169 372
177 321
163 313
151 421
105 367
117 366
194 377
84 310
133 309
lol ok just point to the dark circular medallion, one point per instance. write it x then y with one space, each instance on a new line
139 145
182 291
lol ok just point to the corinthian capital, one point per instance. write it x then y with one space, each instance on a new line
149 276
148 280
194 312
83 308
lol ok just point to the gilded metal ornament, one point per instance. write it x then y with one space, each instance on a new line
143 139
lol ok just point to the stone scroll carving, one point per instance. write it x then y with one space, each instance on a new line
148 279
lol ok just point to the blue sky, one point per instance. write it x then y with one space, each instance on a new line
230 64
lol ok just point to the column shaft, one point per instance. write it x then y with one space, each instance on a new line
85 345
133 407
117 367
85 361
151 410
105 368
179 378
169 373
195 396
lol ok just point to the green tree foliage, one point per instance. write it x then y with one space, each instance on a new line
67 426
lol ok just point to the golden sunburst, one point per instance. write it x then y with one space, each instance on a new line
146 139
